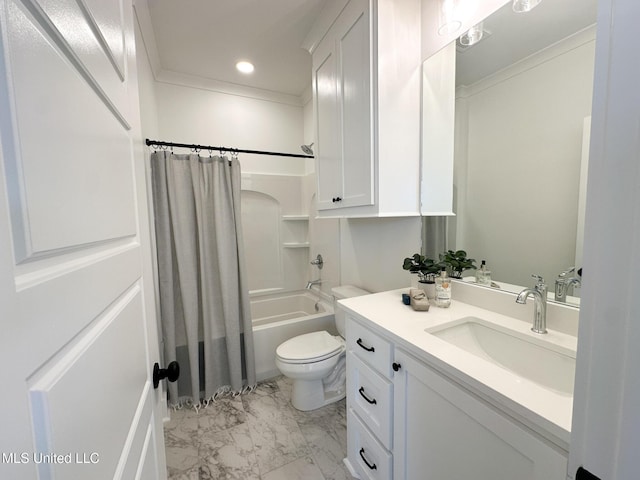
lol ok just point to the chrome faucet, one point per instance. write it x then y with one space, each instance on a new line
318 262
563 283
539 293
312 283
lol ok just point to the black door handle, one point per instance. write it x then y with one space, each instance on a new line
370 465
171 373
372 402
396 366
583 474
368 349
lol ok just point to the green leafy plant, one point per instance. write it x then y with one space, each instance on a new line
425 268
457 262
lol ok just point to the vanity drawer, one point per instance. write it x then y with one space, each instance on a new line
369 346
371 396
366 455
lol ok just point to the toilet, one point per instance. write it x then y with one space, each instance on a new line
316 361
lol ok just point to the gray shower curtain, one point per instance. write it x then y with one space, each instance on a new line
204 300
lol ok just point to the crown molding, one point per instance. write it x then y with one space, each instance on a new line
143 17
573 41
193 81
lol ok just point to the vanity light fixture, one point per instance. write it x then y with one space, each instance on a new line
472 36
448 21
245 67
523 6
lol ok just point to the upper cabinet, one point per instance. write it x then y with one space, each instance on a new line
366 93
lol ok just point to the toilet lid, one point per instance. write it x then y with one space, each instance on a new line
310 347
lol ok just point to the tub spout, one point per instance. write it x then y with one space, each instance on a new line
312 283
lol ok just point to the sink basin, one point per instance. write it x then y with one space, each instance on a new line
533 358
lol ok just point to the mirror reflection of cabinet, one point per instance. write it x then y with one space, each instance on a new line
438 107
521 96
366 86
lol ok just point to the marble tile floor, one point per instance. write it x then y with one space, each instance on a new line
257 436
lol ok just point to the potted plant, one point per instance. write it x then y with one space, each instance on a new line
426 269
456 262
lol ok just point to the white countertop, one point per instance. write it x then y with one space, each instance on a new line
543 410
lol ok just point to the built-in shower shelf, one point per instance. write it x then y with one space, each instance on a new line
295 231
296 245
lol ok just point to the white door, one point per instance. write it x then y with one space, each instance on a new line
605 434
78 336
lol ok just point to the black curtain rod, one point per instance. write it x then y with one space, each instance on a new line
158 143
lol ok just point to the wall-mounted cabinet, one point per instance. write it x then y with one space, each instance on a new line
366 93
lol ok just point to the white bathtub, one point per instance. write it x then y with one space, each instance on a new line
281 316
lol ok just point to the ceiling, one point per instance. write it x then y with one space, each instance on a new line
205 39
513 36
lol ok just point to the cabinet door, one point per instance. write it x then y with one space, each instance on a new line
443 432
354 91
342 88
328 140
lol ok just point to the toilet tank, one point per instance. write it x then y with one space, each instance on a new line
339 293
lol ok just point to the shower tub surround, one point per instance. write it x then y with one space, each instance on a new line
281 316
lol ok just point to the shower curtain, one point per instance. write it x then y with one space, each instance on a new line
204 299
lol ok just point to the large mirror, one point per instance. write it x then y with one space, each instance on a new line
523 102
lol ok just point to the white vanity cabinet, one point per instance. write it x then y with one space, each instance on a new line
366 94
369 403
443 431
407 421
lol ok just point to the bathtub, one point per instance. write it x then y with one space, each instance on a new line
281 316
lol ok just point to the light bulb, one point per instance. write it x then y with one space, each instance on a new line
244 67
523 6
448 22
472 36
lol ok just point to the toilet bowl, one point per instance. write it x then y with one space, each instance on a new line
316 361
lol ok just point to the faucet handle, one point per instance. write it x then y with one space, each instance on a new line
318 261
538 278
540 285
567 272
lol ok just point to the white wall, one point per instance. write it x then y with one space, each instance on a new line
517 177
207 117
147 89
372 251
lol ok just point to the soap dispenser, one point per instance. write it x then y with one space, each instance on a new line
443 290
483 274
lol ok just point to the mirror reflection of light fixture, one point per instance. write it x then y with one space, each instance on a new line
448 22
472 36
523 6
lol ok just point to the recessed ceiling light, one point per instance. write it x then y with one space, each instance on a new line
244 67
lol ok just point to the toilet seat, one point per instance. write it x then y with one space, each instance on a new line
310 347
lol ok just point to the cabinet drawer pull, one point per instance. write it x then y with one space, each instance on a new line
372 402
336 199
368 349
396 366
371 466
